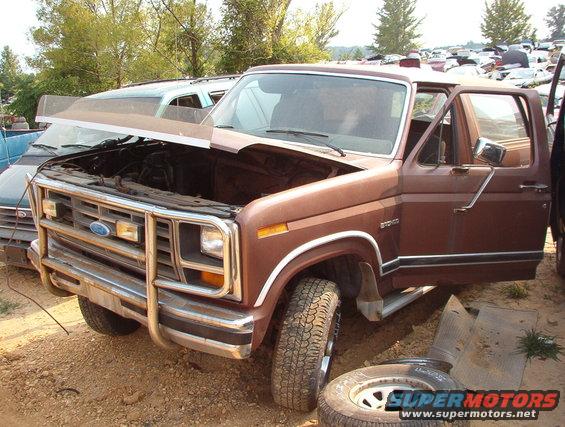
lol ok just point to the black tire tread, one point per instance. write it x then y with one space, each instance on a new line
104 321
301 343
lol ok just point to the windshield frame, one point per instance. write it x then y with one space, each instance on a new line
316 148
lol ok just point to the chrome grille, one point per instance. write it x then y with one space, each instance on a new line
10 217
80 214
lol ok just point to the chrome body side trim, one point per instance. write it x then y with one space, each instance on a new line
459 259
311 245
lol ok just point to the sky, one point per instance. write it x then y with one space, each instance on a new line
446 22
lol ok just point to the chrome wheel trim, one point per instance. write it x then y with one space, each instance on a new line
326 362
373 394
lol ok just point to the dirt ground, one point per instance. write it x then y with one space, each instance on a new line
50 378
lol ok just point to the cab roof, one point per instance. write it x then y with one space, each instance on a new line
167 87
410 75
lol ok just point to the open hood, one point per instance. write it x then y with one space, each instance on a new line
147 118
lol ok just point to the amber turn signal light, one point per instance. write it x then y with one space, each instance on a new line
212 279
272 230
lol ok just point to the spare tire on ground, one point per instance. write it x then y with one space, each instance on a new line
358 398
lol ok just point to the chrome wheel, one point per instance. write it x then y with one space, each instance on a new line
327 358
373 394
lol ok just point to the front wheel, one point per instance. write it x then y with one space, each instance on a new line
305 345
104 321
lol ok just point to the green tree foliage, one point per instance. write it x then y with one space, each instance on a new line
555 20
10 72
506 21
97 44
397 28
324 26
256 32
188 32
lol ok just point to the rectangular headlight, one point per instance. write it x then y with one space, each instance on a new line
52 208
128 231
211 242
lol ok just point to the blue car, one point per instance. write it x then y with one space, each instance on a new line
13 144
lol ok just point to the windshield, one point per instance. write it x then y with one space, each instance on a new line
526 73
65 136
350 113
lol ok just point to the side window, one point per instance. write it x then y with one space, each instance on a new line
216 96
427 105
502 119
440 148
191 101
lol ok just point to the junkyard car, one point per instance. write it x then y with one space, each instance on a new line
310 185
16 223
528 77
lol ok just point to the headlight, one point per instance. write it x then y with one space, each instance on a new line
52 208
211 242
128 231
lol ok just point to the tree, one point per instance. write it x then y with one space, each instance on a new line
256 32
188 28
555 20
98 44
10 72
397 28
506 21
325 19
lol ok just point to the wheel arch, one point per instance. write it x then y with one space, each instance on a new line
356 245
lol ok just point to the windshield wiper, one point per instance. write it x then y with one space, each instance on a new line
224 126
294 132
46 147
107 143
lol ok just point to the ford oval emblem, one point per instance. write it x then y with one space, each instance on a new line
100 229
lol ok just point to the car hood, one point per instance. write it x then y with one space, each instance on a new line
195 135
13 184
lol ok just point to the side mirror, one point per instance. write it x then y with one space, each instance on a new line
489 152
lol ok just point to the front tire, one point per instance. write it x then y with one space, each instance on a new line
104 321
305 345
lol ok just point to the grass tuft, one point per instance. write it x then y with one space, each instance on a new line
515 291
6 307
536 344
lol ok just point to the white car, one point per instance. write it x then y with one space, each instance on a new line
528 77
468 70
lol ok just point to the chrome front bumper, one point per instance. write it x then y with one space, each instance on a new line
195 325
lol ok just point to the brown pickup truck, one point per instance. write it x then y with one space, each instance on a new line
307 185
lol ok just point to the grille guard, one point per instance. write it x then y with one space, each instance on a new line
37 188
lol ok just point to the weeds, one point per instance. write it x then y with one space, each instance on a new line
535 344
6 307
515 291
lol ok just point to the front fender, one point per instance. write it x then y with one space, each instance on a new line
358 243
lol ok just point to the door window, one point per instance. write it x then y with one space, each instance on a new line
502 119
190 101
440 148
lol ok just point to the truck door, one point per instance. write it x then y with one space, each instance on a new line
486 211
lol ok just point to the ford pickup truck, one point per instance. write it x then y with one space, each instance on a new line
306 186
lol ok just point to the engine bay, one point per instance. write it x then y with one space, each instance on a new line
181 176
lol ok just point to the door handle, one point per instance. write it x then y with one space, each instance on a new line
538 188
460 170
